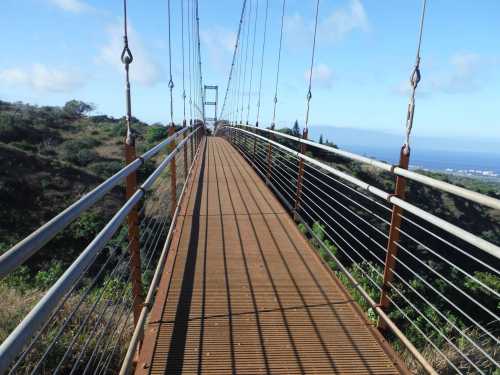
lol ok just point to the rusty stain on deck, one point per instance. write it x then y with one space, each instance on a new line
244 293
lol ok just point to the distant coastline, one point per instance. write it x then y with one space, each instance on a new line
449 156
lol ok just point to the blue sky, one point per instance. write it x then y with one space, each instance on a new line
56 50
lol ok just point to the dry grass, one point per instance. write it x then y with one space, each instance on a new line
16 305
442 366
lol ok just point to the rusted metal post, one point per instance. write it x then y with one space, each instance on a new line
133 233
198 136
394 235
255 141
185 153
173 173
131 183
198 130
269 156
195 137
191 140
300 176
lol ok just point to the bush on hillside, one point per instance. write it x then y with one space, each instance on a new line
15 129
156 133
77 108
79 151
106 169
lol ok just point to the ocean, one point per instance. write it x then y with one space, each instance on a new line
468 163
476 157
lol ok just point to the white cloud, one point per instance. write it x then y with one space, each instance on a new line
73 6
219 43
462 75
144 70
464 72
465 62
336 26
322 76
344 20
42 78
297 33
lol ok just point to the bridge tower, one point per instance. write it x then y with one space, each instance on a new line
211 102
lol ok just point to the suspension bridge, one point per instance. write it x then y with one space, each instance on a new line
253 251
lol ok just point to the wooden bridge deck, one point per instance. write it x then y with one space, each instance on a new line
244 293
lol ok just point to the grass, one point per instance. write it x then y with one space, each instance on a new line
16 304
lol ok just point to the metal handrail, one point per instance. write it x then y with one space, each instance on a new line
26 248
10 348
394 169
464 235
148 302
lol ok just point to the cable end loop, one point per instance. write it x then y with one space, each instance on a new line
126 56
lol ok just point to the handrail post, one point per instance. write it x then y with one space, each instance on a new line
300 175
185 151
173 172
198 137
197 130
133 232
191 140
394 235
255 142
269 156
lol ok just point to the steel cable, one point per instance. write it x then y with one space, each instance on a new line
309 94
262 64
183 62
273 122
252 59
170 82
229 80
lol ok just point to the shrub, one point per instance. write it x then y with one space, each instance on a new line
77 108
87 226
23 145
106 169
79 151
84 157
156 133
14 128
118 129
44 279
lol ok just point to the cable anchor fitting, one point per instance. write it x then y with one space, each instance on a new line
415 75
126 56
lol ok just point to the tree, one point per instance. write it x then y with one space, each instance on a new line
77 108
321 139
296 129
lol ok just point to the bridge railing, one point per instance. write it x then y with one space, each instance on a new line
424 265
84 321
